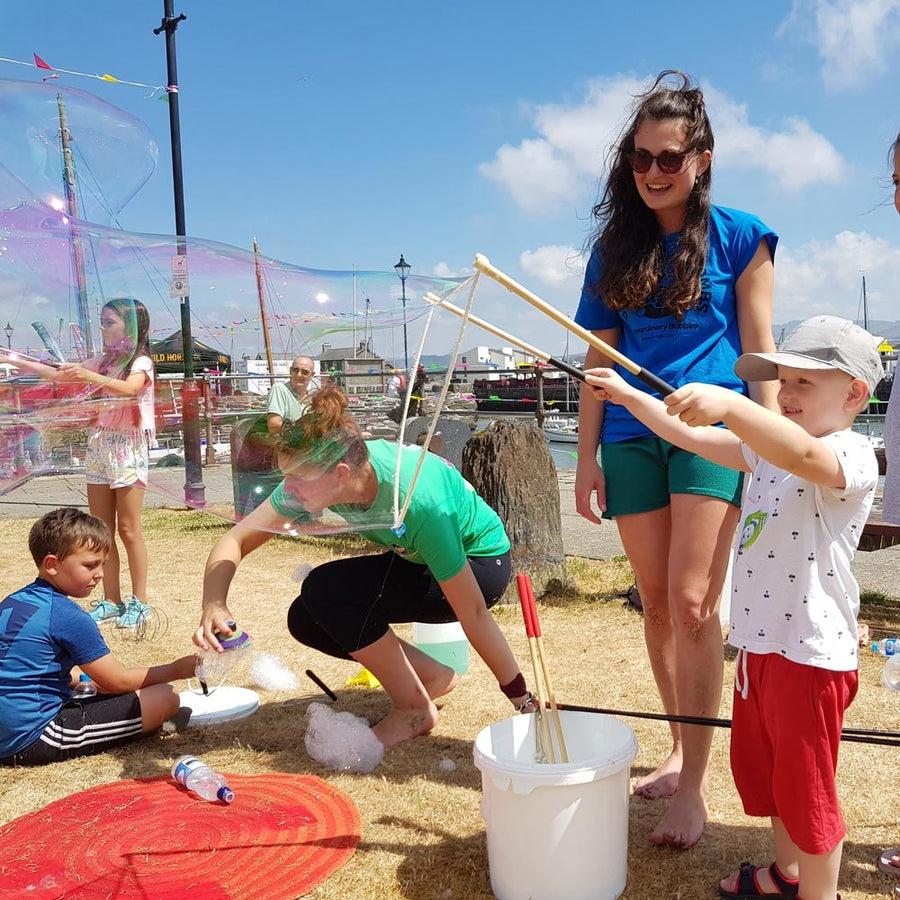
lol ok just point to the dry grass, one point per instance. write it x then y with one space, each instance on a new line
423 837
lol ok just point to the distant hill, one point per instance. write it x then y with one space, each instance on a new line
878 327
888 330
435 360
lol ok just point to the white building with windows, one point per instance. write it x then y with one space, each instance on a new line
489 358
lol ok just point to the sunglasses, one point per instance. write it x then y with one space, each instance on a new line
668 161
296 371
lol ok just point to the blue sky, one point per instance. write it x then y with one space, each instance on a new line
343 134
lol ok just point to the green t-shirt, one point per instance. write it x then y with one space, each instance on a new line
282 401
446 520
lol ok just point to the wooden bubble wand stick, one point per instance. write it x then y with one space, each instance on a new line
543 737
545 670
483 264
560 364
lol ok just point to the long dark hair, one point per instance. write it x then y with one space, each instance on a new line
136 341
326 435
628 236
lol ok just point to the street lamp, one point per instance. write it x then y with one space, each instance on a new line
402 269
9 334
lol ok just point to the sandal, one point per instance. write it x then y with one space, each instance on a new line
749 889
884 862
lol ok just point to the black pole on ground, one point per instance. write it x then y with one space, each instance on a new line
852 735
194 489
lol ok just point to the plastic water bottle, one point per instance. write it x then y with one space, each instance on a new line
212 667
201 780
890 674
887 646
85 687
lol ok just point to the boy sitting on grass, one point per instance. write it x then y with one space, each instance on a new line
795 600
46 641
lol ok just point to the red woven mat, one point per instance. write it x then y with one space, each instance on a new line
150 839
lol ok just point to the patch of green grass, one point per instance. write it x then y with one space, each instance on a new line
592 581
878 598
198 523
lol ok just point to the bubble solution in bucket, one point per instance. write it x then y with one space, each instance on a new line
557 831
446 642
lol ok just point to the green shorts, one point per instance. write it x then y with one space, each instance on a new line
642 473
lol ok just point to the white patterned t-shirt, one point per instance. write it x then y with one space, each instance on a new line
793 589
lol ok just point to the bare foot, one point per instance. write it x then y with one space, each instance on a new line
661 782
401 725
682 825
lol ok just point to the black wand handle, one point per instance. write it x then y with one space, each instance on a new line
565 367
655 382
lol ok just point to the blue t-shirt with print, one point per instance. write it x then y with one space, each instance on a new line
705 344
43 634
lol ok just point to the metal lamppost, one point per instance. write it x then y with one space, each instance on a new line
402 269
194 489
9 334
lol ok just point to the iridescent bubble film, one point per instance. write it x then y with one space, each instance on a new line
59 274
111 154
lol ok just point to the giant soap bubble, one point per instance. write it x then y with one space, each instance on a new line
60 275
111 153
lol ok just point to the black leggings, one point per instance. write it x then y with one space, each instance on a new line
348 604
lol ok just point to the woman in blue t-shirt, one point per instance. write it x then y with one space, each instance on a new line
681 287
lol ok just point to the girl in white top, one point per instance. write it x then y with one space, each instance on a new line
118 446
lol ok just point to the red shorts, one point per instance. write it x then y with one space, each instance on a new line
784 746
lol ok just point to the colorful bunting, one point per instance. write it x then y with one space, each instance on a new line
40 63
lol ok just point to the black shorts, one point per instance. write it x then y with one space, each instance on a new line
347 604
83 726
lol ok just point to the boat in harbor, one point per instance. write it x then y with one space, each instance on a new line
522 393
561 429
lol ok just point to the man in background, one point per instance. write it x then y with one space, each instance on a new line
289 401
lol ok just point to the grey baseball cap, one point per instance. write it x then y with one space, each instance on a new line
822 342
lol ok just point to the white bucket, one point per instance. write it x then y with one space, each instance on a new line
446 642
557 831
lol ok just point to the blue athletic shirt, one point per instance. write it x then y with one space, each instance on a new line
705 344
42 635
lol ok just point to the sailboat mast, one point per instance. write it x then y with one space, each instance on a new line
865 305
263 314
81 298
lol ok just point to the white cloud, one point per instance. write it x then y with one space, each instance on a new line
444 270
795 157
543 173
855 38
536 174
558 167
826 277
555 266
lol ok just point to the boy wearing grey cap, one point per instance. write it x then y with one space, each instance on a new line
795 599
